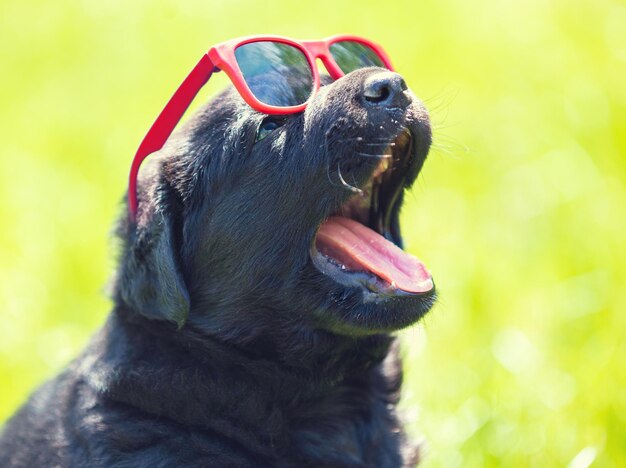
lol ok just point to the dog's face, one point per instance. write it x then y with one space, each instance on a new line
250 225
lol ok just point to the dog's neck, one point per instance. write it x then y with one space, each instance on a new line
256 402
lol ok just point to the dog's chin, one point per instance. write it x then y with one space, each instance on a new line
375 285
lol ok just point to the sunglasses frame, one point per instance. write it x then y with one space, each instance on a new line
222 57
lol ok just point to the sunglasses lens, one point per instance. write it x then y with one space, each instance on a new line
277 74
351 55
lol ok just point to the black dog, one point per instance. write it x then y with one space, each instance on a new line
246 330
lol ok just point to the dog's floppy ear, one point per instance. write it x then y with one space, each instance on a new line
150 281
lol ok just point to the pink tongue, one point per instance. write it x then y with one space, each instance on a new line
359 248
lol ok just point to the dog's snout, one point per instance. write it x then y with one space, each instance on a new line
385 89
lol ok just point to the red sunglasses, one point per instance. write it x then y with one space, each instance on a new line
257 66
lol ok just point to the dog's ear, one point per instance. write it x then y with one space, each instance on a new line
150 280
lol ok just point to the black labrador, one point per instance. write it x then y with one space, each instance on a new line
255 299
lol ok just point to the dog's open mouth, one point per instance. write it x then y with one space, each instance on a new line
360 244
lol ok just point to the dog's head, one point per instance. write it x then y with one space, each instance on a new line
250 225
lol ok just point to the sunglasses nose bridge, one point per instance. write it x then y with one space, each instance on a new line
315 48
319 50
333 70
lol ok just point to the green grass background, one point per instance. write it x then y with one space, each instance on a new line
519 213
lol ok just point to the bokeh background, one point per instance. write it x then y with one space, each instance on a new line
519 213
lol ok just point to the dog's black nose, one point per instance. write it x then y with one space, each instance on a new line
385 89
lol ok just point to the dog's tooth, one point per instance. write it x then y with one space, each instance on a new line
385 164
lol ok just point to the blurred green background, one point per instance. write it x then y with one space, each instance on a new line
519 213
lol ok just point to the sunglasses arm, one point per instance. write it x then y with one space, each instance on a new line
165 123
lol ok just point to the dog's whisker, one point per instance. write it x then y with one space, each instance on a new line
379 140
352 188
330 180
385 144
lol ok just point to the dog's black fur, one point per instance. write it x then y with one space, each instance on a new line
226 345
